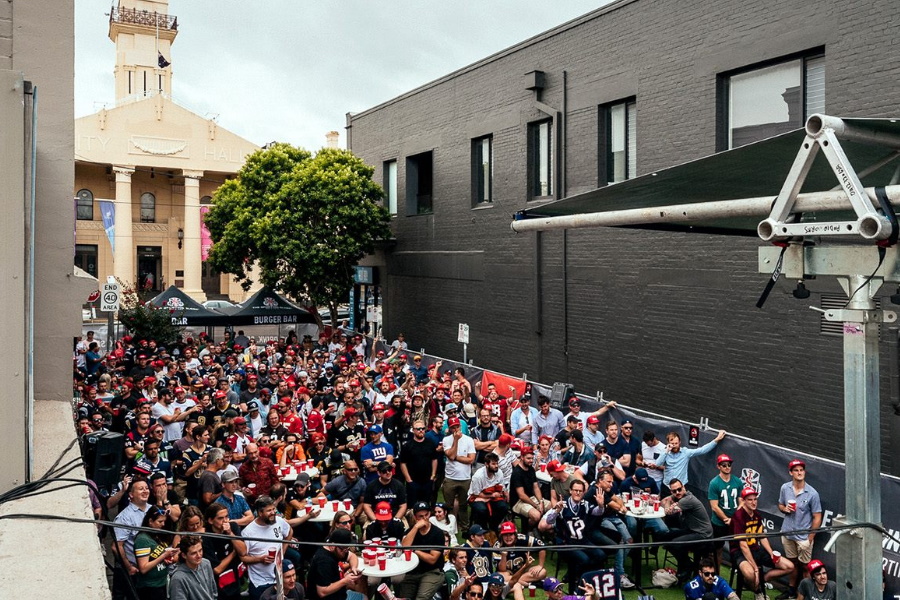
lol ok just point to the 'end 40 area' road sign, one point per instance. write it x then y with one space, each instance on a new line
109 297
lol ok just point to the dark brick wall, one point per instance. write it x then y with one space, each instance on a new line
665 322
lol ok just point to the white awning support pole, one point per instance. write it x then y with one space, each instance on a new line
697 212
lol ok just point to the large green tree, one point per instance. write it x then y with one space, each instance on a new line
298 222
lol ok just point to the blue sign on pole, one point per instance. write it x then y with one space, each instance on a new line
353 309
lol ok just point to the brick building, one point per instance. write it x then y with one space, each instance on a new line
662 321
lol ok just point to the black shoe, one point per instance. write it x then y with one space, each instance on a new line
786 595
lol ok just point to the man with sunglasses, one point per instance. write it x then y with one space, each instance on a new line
722 493
802 509
694 526
419 465
708 585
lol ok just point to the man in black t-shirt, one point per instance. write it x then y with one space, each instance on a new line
418 465
426 579
386 489
525 491
324 580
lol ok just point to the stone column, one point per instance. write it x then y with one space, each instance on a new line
123 257
192 263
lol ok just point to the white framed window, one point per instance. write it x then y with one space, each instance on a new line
771 99
618 141
389 173
483 170
540 158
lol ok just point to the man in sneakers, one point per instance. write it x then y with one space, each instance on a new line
752 554
802 510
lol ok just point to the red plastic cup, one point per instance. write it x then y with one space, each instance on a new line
543 467
251 486
310 463
656 506
531 590
645 497
322 501
792 504
637 503
348 505
336 505
272 552
407 554
376 541
392 542
308 508
382 562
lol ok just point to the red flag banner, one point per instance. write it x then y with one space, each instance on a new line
502 382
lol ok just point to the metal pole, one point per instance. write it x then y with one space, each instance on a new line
859 555
464 353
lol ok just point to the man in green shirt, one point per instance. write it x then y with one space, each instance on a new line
723 493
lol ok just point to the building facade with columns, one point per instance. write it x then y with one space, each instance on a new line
145 168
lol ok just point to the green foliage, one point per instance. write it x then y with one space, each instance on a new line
303 221
144 320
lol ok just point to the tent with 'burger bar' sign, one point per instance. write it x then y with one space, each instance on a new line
266 307
187 311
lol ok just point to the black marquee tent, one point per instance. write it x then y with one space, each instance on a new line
187 311
266 307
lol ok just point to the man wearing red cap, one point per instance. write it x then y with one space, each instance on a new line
459 449
751 553
817 587
385 525
510 561
802 509
722 493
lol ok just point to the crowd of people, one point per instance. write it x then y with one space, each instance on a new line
479 481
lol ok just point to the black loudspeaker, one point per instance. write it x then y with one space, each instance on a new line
559 395
103 453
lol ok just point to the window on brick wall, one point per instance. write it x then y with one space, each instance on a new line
419 184
540 159
618 141
84 205
769 99
482 170
389 172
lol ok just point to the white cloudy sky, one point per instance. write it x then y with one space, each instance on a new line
289 70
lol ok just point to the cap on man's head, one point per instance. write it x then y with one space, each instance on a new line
551 584
577 435
593 420
286 566
496 579
505 439
385 467
341 536
723 458
796 463
453 422
450 407
507 527
641 475
240 421
230 476
574 400
378 407
349 412
253 405
554 466
815 565
302 479
749 491
230 413
383 511
376 429
572 419
420 506
476 529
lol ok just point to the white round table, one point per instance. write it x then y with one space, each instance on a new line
393 567
649 514
292 476
326 514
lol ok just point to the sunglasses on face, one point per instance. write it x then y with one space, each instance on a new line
708 573
725 465
677 490
345 522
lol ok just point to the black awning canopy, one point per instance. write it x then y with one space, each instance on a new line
756 172
187 311
266 307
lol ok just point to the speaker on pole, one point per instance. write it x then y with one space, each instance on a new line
560 394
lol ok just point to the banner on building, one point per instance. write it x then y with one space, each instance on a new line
205 237
108 212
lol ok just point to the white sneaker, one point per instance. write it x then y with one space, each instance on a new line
625 583
760 596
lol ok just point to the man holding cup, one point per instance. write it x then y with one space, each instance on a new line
802 510
260 556
423 582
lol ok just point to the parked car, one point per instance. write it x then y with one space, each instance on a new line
213 304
